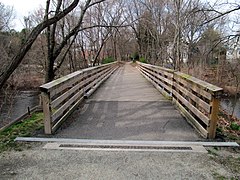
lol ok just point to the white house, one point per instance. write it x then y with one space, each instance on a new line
183 51
233 51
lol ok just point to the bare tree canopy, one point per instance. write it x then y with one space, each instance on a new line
5 74
77 34
6 17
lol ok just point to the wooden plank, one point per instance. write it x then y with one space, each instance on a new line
90 79
47 112
97 74
212 89
158 81
66 105
93 72
68 84
159 70
95 80
170 82
198 113
213 118
105 76
147 76
168 74
162 84
89 86
59 82
193 86
158 67
65 95
66 115
196 99
191 119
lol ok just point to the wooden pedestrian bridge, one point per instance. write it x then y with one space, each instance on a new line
133 101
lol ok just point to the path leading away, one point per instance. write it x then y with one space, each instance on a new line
128 107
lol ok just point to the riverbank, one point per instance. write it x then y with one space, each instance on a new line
15 104
228 127
29 126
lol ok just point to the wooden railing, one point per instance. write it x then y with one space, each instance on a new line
197 100
61 96
161 78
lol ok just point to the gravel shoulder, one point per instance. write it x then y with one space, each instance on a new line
38 163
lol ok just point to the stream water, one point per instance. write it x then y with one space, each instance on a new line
13 109
227 104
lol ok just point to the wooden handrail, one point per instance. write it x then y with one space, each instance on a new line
61 96
64 79
197 100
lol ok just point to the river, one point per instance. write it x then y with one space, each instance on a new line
18 106
227 105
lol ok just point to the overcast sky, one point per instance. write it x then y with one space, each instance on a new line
22 8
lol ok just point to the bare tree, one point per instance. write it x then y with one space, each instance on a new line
6 17
53 50
6 72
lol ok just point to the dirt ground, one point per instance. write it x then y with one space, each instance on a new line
39 163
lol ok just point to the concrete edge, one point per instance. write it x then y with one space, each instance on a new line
126 142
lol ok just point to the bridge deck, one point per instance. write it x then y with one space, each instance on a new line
128 107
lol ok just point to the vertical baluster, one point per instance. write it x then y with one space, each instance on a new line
47 112
215 102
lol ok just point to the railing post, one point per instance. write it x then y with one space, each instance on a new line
215 102
47 112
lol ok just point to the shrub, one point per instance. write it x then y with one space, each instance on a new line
108 60
142 60
235 126
135 57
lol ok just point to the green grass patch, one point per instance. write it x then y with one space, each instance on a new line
217 176
108 60
25 128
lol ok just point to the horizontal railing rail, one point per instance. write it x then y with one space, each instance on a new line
161 78
61 96
197 100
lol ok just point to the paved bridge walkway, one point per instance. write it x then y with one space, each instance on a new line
128 107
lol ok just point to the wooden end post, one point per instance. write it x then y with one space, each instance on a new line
215 102
47 112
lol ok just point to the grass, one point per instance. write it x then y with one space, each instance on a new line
229 161
217 176
25 128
